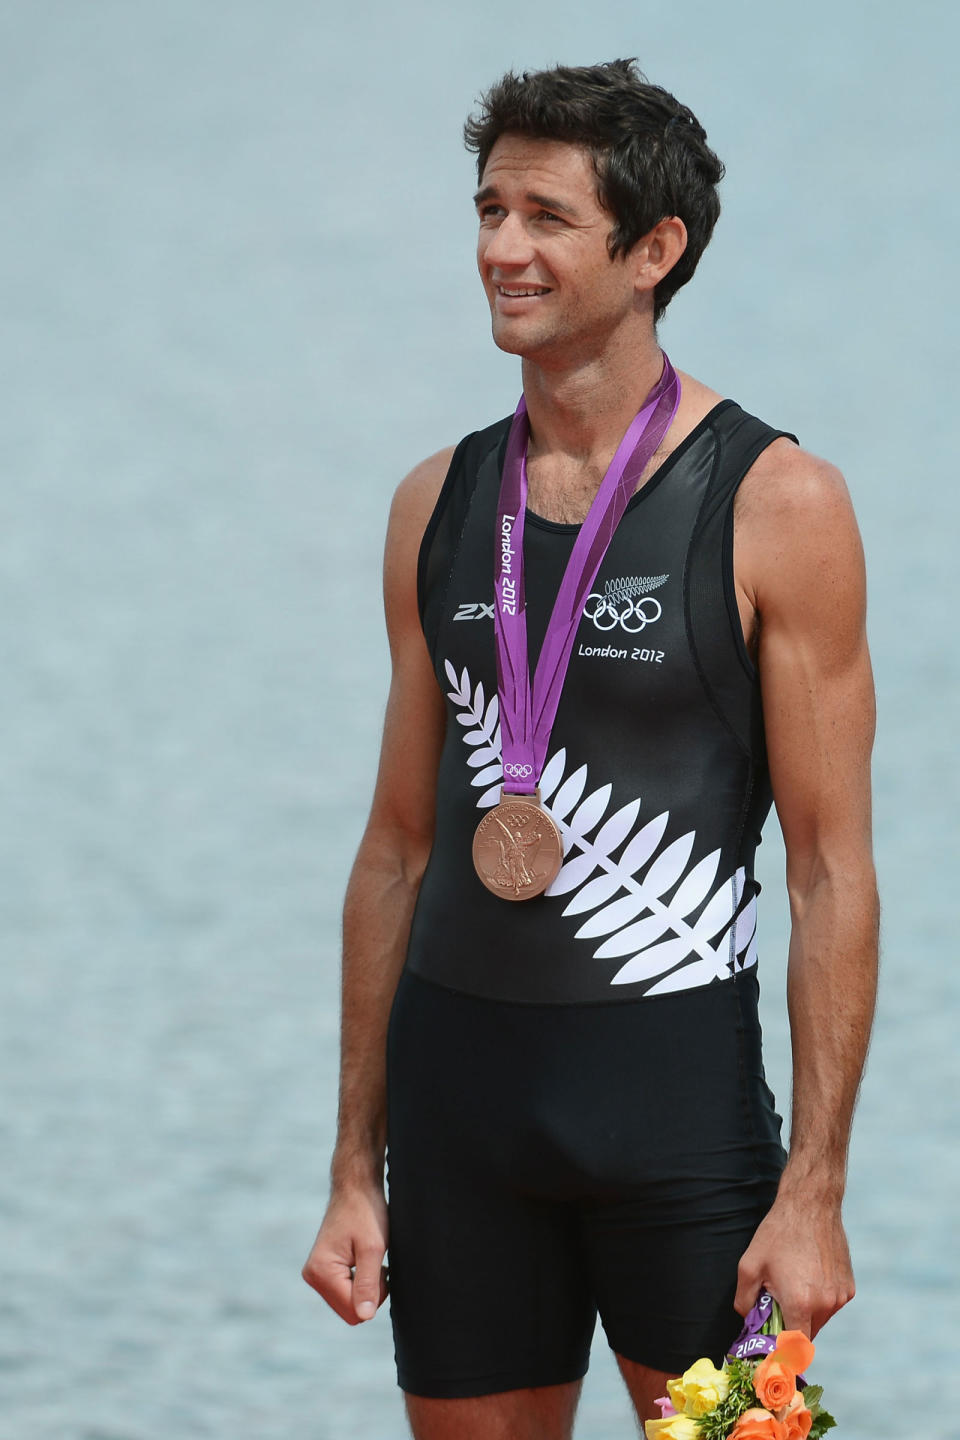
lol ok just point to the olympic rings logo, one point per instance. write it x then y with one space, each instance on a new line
632 614
518 772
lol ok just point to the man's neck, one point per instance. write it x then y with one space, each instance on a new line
583 412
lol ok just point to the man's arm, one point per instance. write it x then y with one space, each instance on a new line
800 555
345 1262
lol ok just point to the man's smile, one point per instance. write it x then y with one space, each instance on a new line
521 292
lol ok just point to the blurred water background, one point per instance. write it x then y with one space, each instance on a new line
238 303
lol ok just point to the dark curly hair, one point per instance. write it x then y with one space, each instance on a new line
649 151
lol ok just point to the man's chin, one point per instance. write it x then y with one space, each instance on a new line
511 341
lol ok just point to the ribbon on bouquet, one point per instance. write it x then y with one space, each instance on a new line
751 1343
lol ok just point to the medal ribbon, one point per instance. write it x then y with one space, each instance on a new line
527 716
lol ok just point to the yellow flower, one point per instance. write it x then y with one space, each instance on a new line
699 1389
673 1427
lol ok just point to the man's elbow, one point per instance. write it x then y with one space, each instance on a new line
845 878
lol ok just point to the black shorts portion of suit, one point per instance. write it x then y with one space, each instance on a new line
547 1163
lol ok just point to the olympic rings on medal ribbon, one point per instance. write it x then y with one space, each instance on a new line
518 772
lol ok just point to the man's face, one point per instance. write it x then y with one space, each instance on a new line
554 293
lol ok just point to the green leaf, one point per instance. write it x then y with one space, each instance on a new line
812 1395
821 1425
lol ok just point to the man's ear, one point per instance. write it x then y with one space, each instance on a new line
656 253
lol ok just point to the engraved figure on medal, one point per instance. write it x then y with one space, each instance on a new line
517 848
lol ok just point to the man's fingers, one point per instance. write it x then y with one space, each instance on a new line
332 1280
368 1281
799 1320
749 1285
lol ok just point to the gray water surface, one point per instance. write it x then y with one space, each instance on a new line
238 294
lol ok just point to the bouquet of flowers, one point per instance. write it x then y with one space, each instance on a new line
759 1394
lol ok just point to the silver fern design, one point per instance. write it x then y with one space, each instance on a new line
665 917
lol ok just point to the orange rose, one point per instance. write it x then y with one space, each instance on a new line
797 1419
795 1351
775 1380
758 1425
775 1383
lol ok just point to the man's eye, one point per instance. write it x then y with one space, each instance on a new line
548 215
486 212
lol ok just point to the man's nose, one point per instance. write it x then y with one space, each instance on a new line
509 245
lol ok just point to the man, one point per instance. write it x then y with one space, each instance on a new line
572 1088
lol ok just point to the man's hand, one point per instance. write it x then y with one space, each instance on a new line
345 1265
800 1255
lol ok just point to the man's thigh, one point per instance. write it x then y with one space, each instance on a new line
664 1269
542 1413
489 1291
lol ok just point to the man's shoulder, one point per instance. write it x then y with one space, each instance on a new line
796 531
418 491
789 485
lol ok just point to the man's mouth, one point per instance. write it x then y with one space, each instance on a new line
518 292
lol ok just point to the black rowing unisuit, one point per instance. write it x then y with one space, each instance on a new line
656 768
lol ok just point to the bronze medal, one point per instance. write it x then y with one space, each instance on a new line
517 848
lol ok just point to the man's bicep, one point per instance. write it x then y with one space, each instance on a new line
415 717
816 678
413 733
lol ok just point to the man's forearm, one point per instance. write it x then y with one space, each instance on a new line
800 1251
376 926
831 992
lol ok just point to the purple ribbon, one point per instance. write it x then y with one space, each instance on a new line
526 717
750 1344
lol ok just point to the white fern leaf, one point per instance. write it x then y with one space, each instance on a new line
637 937
695 887
669 865
460 693
698 972
629 911
616 829
612 916
653 962
481 757
591 811
492 772
568 794
643 844
718 913
484 756
571 874
593 894
552 774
